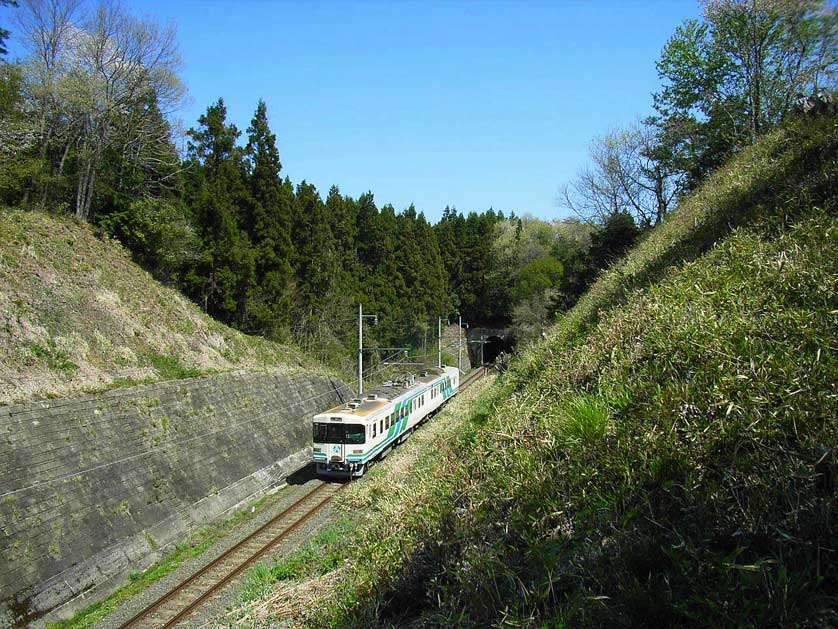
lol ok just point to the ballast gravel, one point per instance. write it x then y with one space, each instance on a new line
281 500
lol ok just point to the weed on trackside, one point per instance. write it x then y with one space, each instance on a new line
349 554
667 457
196 544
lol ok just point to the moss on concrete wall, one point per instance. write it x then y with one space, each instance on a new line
86 483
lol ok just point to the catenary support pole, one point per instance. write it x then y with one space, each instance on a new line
439 334
360 350
460 344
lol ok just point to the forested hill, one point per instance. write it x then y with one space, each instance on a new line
217 220
82 135
272 258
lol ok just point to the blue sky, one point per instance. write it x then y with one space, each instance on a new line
470 104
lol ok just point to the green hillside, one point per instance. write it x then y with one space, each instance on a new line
668 454
76 314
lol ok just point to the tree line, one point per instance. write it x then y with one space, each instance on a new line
86 129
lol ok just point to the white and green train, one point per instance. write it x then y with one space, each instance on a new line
348 438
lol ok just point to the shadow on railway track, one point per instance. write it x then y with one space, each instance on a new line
308 473
303 475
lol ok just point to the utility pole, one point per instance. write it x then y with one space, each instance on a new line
460 344
481 342
439 333
361 316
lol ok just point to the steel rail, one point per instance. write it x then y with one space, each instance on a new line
232 574
474 376
183 585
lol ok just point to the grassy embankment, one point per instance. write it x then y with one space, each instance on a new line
667 456
77 315
369 519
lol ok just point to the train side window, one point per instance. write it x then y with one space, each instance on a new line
373 429
382 425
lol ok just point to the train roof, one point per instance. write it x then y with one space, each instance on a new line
383 393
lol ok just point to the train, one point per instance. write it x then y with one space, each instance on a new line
347 438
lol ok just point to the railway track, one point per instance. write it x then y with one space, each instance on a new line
475 375
191 593
186 597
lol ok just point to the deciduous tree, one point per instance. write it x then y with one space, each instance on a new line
629 170
736 73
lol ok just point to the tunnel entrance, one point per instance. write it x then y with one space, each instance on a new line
492 348
486 344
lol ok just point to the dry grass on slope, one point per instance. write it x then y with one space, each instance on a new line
667 456
766 186
383 519
77 315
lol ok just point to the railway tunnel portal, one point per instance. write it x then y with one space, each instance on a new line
486 344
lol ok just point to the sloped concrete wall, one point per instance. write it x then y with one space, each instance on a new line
92 487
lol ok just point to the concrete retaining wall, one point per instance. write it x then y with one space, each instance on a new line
93 487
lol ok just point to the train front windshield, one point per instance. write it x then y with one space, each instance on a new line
339 433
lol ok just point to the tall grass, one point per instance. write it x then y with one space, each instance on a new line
766 186
583 420
667 456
